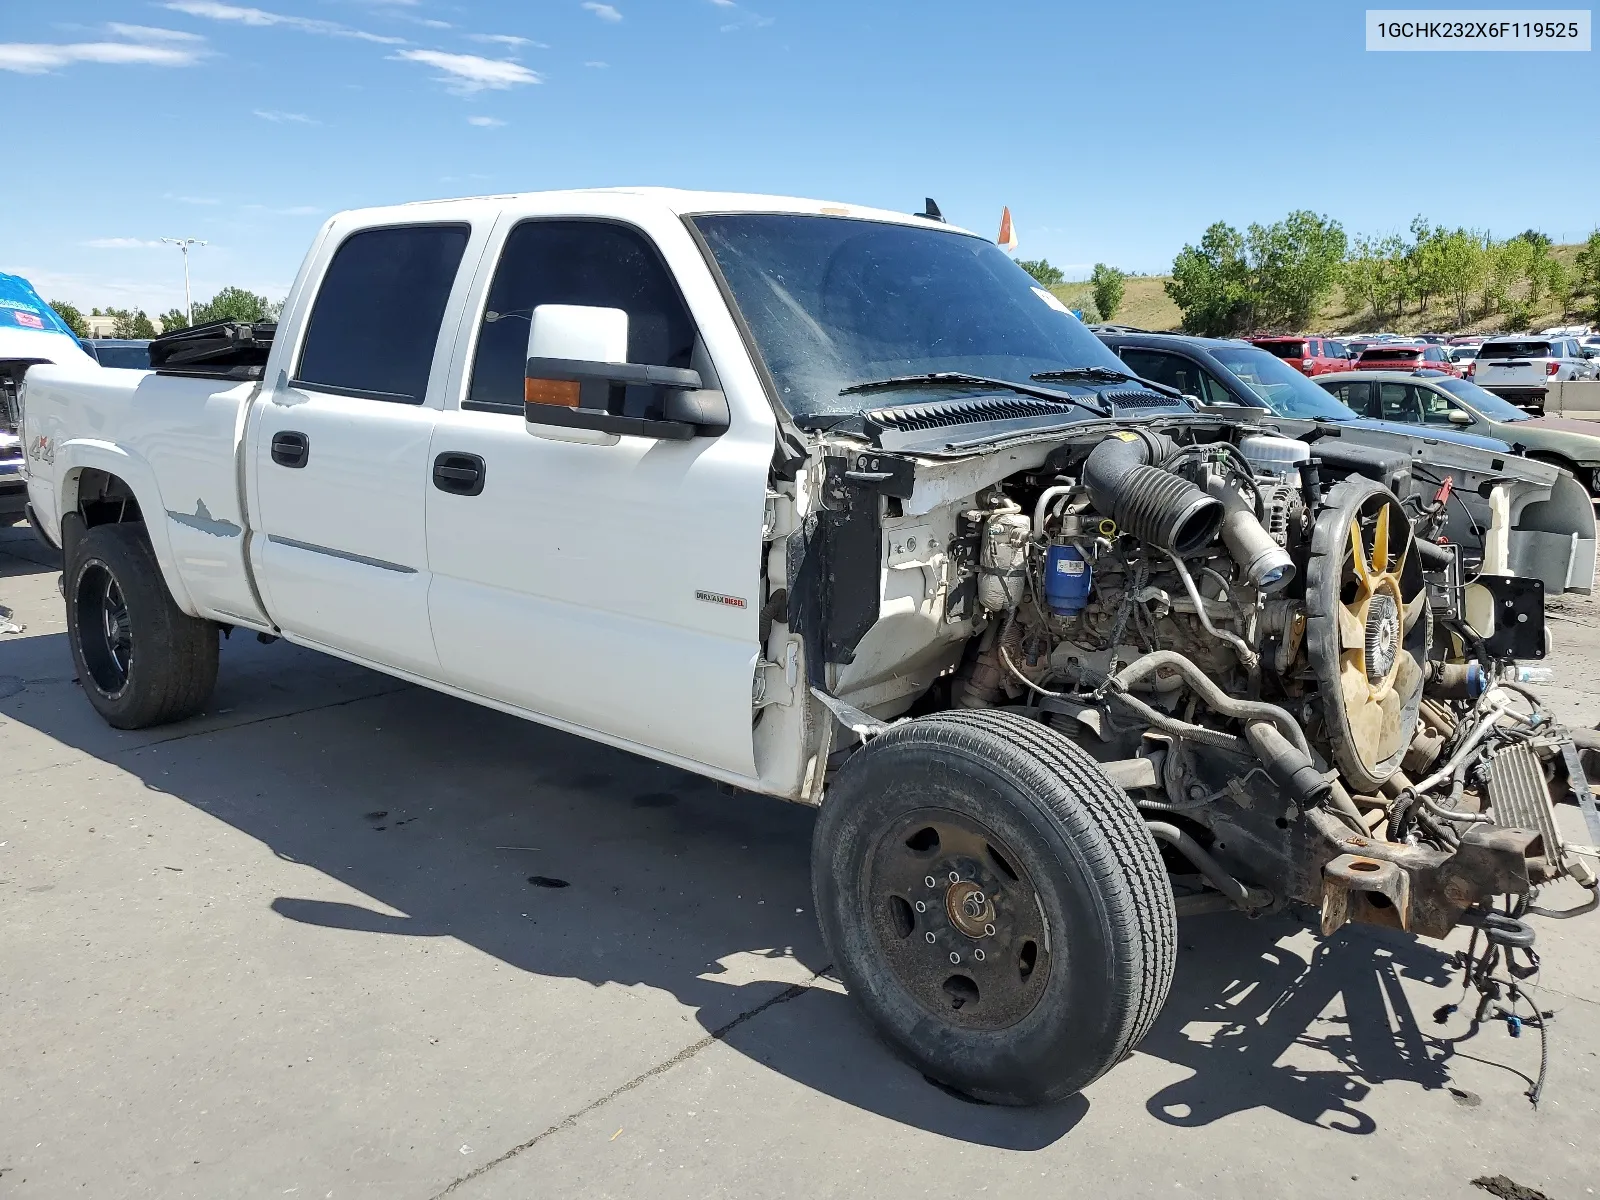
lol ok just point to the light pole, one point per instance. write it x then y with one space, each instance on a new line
184 244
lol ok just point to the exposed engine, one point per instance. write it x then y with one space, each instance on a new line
1279 667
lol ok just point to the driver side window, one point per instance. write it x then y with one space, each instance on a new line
1174 371
593 263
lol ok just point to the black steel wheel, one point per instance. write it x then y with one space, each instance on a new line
995 904
142 660
106 634
961 925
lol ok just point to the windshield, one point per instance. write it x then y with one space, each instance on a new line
1281 388
832 301
1482 401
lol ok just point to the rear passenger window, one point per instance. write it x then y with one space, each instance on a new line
592 263
376 321
1357 395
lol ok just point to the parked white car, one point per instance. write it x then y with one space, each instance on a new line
1521 369
837 505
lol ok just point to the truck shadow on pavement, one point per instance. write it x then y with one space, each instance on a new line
563 858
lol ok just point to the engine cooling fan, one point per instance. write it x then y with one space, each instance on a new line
1368 626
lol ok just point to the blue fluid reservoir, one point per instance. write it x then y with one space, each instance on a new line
1067 578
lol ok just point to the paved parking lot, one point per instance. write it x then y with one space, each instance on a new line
343 937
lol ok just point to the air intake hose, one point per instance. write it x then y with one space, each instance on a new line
1153 504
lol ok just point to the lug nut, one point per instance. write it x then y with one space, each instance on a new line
931 881
978 954
988 931
921 907
929 935
954 957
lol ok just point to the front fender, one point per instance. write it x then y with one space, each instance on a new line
77 455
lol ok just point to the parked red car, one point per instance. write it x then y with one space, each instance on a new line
1400 357
1312 355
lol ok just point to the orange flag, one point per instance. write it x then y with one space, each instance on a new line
1007 240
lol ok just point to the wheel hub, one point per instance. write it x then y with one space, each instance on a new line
969 909
959 920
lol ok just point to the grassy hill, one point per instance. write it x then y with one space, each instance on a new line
1145 304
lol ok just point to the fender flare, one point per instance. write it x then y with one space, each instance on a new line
77 455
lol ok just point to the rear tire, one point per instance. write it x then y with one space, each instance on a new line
1047 889
142 660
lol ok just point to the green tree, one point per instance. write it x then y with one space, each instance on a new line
1293 264
1510 264
72 315
127 323
1587 280
1107 283
1558 282
1042 271
173 319
1211 284
1374 276
235 304
1461 263
1539 241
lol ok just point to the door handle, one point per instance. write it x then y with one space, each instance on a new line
459 474
291 449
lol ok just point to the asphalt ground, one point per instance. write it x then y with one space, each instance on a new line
344 937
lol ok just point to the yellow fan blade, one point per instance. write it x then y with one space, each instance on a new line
1358 552
1380 542
1417 606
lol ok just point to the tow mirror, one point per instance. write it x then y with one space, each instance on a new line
1457 417
578 362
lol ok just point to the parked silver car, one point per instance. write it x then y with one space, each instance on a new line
1442 401
1521 369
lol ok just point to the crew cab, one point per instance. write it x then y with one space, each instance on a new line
838 505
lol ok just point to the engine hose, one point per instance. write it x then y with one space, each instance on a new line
1182 729
1247 655
1146 501
1213 695
1239 893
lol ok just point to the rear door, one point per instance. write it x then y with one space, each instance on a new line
339 452
613 583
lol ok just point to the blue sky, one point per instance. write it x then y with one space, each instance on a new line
1116 132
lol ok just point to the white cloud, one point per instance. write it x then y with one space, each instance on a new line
296 210
430 23
506 39
122 243
38 58
272 114
470 73
260 19
604 11
485 122
596 63
149 33
724 3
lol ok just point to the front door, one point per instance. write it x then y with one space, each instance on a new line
339 453
611 584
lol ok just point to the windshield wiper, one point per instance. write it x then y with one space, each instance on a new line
1105 375
961 379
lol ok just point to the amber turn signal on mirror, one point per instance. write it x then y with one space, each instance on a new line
561 392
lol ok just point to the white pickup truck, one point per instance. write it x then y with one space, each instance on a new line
836 505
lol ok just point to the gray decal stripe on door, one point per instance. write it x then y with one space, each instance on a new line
348 557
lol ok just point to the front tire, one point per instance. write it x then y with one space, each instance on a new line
142 660
1042 949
